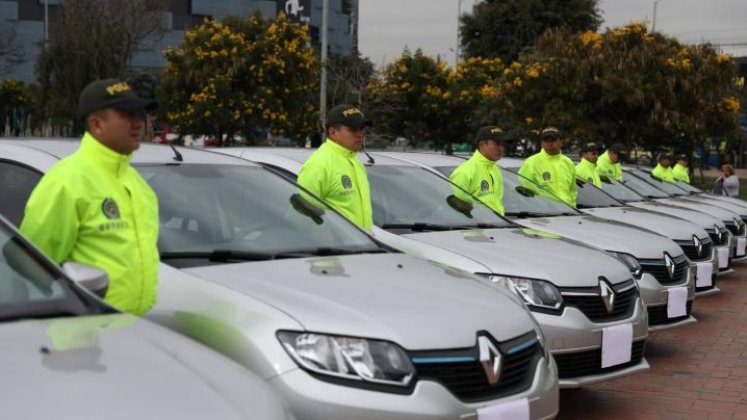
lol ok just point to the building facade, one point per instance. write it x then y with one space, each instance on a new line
25 20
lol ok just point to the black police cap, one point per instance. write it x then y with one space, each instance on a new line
111 93
489 132
347 115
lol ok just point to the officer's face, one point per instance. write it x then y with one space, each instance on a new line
591 156
347 137
682 162
492 150
614 157
665 163
551 145
118 130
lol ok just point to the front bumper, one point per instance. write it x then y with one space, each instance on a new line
576 343
311 398
656 298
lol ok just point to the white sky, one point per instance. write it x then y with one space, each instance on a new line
388 26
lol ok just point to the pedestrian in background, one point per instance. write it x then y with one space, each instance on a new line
728 181
94 208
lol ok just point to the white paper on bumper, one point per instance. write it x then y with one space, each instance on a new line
617 344
677 302
510 410
704 274
741 246
723 257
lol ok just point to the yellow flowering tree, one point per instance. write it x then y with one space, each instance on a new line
240 76
16 104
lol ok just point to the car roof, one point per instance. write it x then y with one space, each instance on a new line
298 154
147 153
423 158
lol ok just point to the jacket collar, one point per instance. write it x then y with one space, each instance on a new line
337 149
546 155
102 156
585 162
478 158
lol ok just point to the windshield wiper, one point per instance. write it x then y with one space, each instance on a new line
525 214
326 250
226 255
418 227
485 226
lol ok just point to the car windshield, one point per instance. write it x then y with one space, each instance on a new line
689 188
620 191
29 284
642 187
410 197
590 197
665 186
234 212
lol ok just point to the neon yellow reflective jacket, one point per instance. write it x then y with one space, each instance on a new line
336 176
482 178
663 173
609 169
680 173
93 207
554 173
587 172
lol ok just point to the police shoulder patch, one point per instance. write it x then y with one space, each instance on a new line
110 209
346 182
484 185
546 176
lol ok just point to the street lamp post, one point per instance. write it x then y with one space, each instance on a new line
653 21
458 38
46 21
323 82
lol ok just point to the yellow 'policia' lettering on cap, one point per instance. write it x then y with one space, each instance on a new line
495 130
351 111
117 88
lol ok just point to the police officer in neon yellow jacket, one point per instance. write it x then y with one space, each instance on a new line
609 164
586 170
680 171
334 173
551 169
94 208
479 175
663 170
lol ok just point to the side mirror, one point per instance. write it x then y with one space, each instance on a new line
91 278
460 205
306 208
580 183
605 179
526 192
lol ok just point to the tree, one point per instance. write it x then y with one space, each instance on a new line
11 52
240 76
347 78
16 103
92 39
503 28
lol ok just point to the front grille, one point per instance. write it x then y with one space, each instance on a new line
658 269
658 315
714 236
572 365
734 229
589 301
689 248
467 379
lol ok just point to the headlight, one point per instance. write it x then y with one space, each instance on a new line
631 262
356 359
538 294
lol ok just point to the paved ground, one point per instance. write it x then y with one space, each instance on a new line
697 371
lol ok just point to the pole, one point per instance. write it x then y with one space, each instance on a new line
46 21
323 82
653 23
459 37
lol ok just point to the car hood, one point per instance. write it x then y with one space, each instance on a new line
703 220
415 303
671 227
736 208
721 213
606 234
121 367
526 252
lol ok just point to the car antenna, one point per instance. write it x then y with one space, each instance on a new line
177 156
371 160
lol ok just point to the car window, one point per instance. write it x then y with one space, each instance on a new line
689 188
642 187
16 184
620 191
243 208
410 194
590 196
665 186
519 198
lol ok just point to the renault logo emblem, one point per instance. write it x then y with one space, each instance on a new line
608 295
670 265
490 359
698 245
718 232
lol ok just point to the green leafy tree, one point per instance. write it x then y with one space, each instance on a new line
503 28
16 105
92 39
347 78
240 76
